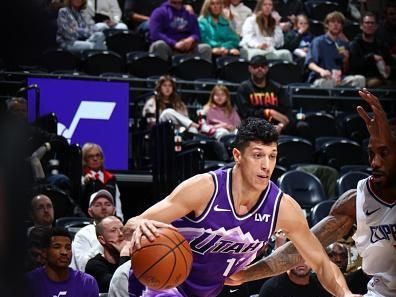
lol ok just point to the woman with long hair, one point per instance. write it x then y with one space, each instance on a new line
261 35
172 108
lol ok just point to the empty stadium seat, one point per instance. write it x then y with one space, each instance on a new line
316 27
292 150
59 59
319 124
354 127
98 62
144 64
318 10
320 211
233 69
124 41
190 67
349 181
72 224
304 187
285 72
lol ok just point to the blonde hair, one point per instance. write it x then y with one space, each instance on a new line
227 105
334 16
266 25
205 9
88 147
174 99
83 4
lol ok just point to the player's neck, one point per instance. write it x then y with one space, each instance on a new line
57 275
245 198
386 194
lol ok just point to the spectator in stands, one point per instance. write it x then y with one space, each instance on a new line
299 39
119 282
216 31
115 252
288 10
17 106
260 97
35 256
328 57
236 12
369 55
173 29
172 108
85 243
42 212
262 36
55 278
357 281
387 29
106 14
220 113
137 13
96 177
338 254
76 29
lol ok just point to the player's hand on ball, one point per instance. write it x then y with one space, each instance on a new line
147 228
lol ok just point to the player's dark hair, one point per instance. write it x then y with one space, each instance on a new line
56 231
255 129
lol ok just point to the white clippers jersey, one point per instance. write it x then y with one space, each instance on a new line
375 239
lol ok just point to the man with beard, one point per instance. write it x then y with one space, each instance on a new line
296 282
371 206
115 252
261 98
42 212
56 278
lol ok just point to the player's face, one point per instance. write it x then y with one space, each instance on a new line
383 163
94 159
101 208
42 210
257 162
59 252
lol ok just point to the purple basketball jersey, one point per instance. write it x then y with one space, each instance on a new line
222 241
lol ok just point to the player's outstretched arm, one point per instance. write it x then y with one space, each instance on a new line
329 230
190 196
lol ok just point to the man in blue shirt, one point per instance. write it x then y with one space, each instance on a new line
328 57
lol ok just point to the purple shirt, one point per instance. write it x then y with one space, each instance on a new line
171 25
79 284
217 113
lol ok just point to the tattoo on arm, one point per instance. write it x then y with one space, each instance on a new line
329 230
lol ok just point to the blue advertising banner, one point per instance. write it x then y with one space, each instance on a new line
88 111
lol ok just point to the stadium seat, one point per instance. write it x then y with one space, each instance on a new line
316 27
233 69
349 181
124 41
292 150
190 67
319 124
73 224
304 187
144 64
59 59
351 29
354 127
48 122
320 211
285 72
318 10
278 172
98 62
336 153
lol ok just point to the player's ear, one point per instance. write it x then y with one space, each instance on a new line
236 154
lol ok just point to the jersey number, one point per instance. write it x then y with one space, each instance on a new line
231 263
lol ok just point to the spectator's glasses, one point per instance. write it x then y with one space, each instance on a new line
258 66
96 156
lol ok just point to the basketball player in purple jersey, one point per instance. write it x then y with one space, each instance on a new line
228 215
372 206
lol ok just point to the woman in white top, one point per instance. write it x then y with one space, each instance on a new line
261 35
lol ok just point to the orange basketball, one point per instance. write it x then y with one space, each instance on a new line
163 263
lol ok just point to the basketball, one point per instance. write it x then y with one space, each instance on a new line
163 263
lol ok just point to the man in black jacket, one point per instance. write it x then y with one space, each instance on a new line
260 97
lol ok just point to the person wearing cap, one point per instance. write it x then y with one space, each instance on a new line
261 98
85 244
96 177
